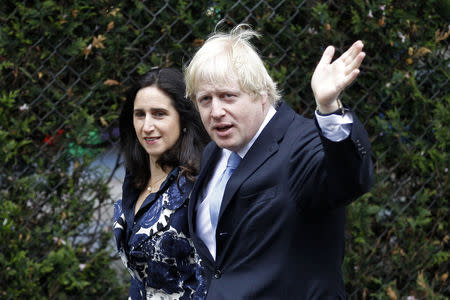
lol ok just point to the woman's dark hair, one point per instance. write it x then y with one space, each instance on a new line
187 150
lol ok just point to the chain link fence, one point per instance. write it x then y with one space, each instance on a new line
70 78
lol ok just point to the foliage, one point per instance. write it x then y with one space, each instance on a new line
64 67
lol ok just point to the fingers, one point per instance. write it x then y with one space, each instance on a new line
355 63
352 60
348 79
340 73
327 55
349 56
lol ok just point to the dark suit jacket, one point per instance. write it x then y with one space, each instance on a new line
281 226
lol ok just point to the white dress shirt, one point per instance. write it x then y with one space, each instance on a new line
334 128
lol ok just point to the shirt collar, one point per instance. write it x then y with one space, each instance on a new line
272 111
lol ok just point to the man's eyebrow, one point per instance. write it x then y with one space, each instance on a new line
227 89
201 94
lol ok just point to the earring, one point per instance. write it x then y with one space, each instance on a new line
184 129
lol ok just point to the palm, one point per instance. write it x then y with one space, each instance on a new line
329 79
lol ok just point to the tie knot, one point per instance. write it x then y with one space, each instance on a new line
233 160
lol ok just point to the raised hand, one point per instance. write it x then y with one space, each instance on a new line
329 79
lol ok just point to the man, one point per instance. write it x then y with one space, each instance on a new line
277 229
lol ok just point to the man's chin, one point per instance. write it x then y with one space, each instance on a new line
227 145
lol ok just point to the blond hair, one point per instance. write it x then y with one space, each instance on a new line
225 56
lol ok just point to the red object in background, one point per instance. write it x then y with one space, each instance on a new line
50 140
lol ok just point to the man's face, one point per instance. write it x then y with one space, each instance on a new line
231 116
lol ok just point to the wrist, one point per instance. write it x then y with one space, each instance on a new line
334 109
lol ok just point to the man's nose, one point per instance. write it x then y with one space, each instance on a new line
217 109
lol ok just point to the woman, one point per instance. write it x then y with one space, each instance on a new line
161 137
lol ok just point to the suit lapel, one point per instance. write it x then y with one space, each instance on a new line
210 156
264 147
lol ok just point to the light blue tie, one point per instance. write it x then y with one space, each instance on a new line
217 193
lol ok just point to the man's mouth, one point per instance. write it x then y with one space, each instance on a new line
222 128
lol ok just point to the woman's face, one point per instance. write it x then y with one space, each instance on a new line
156 121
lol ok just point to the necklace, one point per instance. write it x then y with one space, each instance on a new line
149 187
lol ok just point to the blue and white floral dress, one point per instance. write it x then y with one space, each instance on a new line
155 246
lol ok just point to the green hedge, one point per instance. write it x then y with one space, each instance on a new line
64 68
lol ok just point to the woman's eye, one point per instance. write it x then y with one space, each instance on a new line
139 114
159 113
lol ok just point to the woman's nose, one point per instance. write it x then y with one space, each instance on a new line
148 124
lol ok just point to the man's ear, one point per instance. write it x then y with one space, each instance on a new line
264 98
